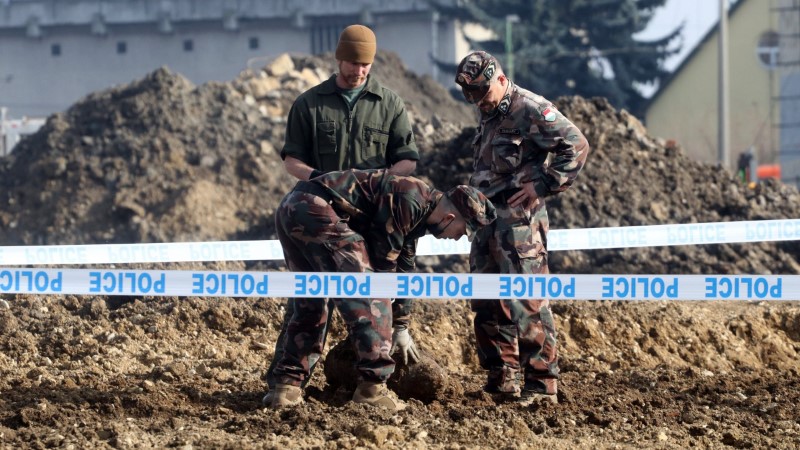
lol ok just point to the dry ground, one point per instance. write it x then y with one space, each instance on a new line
186 372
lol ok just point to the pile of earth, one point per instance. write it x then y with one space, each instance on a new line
162 160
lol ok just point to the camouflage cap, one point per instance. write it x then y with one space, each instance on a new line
477 69
476 209
475 73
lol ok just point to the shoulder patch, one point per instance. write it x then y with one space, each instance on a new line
505 104
515 131
549 114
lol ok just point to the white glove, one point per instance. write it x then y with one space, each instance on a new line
402 342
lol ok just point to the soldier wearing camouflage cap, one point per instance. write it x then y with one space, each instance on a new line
473 206
360 221
351 121
525 151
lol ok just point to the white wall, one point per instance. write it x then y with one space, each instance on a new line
33 82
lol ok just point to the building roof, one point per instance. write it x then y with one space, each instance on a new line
674 74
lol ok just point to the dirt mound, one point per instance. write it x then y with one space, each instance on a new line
156 160
160 159
425 380
163 160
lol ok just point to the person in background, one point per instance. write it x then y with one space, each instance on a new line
359 221
351 121
524 151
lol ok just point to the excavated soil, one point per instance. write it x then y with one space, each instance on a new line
163 160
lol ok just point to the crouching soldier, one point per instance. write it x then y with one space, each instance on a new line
359 221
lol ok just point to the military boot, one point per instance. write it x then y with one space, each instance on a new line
503 383
267 400
377 394
286 395
539 390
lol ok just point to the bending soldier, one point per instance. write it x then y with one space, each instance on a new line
351 121
359 221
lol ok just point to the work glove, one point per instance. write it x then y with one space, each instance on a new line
402 342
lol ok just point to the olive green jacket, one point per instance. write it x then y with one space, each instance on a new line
324 133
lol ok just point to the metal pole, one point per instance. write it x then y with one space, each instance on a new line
3 110
723 113
510 19
435 44
509 52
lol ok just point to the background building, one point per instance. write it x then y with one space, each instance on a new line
764 96
52 52
787 13
684 108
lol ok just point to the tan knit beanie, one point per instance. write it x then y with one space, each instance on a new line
356 44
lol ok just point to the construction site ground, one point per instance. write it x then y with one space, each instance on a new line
163 160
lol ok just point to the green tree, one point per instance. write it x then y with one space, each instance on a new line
582 47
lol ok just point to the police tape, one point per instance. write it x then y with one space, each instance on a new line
396 285
573 239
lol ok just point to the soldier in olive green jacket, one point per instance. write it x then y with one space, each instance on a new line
351 121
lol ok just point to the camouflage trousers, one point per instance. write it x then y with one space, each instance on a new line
515 335
401 315
315 239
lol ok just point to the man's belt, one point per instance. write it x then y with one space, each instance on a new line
501 198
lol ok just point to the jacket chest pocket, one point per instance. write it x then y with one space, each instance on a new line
376 141
326 137
506 153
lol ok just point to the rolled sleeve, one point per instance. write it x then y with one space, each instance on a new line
401 137
297 142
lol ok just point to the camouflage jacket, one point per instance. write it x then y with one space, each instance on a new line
514 141
323 132
389 211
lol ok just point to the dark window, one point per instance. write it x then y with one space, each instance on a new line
122 47
768 49
253 43
325 35
55 49
188 45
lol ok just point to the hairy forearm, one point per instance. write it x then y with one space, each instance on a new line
297 168
404 167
